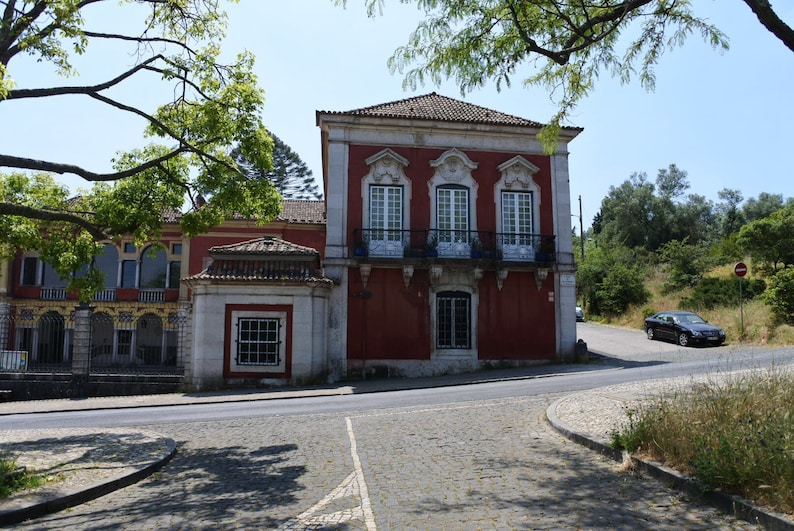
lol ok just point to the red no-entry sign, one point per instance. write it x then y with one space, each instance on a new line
740 269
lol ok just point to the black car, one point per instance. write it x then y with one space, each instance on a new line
685 328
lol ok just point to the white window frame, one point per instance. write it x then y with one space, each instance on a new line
453 171
387 169
453 215
517 177
385 220
235 365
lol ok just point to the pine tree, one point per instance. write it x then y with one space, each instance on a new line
290 175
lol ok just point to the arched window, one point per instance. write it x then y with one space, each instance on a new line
52 332
101 339
154 267
453 320
149 339
108 263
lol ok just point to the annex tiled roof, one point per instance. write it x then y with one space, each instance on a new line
265 246
435 107
302 211
264 271
268 259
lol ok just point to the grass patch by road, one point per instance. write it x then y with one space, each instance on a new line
735 434
13 479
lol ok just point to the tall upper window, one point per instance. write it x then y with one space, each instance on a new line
452 220
453 320
453 194
517 223
108 263
30 271
517 197
386 198
154 265
385 220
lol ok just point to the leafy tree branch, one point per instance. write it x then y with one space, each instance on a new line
561 45
207 109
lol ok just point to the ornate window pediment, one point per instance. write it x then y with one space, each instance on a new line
453 166
387 167
517 174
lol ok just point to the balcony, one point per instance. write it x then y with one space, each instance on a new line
430 244
105 295
151 295
53 294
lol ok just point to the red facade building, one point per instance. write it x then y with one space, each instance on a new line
449 234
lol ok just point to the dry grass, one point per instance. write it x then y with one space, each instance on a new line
736 434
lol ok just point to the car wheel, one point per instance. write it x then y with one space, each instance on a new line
650 333
683 339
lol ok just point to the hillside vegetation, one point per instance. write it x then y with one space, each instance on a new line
760 326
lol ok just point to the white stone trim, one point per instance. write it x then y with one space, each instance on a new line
453 167
454 280
518 176
283 333
386 168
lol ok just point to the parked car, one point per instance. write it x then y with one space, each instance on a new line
579 313
685 328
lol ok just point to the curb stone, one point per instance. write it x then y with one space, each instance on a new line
63 501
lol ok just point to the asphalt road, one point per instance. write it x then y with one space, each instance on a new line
464 457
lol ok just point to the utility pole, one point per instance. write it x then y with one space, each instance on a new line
581 228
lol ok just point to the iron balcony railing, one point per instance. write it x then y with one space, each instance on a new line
464 244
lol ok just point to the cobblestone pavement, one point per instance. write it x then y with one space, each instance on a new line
481 465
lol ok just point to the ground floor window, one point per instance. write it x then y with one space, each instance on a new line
453 320
258 341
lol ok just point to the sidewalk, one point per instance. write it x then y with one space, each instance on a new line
91 463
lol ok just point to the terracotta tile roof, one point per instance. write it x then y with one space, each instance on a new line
435 107
302 211
266 246
263 271
267 259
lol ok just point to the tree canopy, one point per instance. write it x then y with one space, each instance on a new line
209 107
566 45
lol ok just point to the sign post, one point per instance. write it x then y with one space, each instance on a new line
740 269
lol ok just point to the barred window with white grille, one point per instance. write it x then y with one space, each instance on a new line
258 341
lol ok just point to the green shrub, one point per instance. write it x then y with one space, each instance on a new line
647 311
685 264
711 292
780 295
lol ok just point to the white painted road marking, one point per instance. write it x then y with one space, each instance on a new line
352 486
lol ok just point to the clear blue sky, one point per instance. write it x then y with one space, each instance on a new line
726 119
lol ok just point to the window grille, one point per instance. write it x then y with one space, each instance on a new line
258 341
453 321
